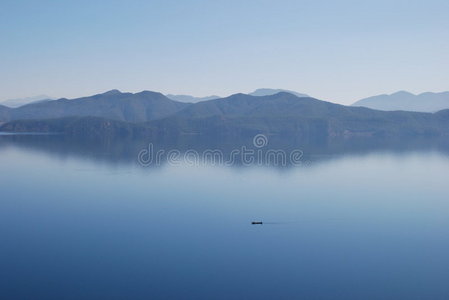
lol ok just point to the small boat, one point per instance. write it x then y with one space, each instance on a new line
256 223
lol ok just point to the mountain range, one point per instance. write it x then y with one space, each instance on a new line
14 103
114 105
153 115
258 92
425 102
288 115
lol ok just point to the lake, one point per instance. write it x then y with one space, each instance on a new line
83 223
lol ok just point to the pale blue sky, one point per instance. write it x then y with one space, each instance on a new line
334 50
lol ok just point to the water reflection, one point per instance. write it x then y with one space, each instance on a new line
358 227
277 152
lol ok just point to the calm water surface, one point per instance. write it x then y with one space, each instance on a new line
372 226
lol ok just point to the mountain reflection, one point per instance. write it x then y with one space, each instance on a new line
276 152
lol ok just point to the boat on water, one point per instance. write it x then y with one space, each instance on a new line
256 223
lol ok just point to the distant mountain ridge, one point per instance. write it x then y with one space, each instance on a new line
268 92
13 103
425 102
258 93
190 99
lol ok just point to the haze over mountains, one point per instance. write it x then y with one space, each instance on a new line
402 100
14 103
23 101
258 92
268 92
425 102
289 115
154 115
190 99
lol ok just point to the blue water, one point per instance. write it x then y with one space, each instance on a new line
371 226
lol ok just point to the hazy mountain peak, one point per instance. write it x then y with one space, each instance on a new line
403 100
446 94
402 94
13 103
112 92
190 99
239 95
268 92
146 92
